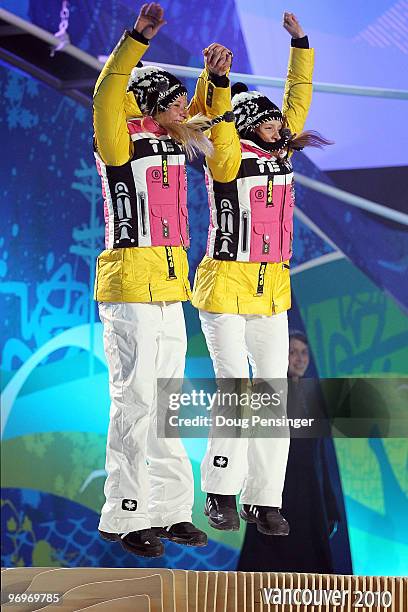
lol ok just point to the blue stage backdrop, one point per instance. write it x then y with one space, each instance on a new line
349 275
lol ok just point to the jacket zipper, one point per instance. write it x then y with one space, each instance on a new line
244 245
142 208
178 202
269 191
281 220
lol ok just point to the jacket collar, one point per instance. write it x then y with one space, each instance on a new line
145 124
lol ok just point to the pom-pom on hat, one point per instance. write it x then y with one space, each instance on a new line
154 89
251 108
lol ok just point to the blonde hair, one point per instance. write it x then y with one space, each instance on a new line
190 134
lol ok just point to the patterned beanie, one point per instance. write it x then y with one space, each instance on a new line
251 108
155 89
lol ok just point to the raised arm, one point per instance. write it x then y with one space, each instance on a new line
298 89
213 95
110 99
197 102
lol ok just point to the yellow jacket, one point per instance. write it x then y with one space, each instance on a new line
138 274
231 286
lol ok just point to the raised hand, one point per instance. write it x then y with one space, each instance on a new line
217 59
292 25
150 20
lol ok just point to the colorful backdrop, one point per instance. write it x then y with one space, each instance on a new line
349 272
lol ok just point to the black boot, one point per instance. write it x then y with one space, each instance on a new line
222 512
182 533
143 543
268 520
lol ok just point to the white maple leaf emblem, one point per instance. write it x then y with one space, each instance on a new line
221 461
130 505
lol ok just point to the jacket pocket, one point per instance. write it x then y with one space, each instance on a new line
185 227
163 225
264 241
287 239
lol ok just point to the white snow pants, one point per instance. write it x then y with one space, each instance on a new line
150 479
254 466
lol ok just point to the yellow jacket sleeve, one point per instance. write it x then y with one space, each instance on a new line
298 88
112 105
213 101
197 104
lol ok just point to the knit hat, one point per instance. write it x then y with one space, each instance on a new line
251 108
154 89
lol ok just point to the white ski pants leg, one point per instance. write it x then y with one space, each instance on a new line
150 480
256 466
